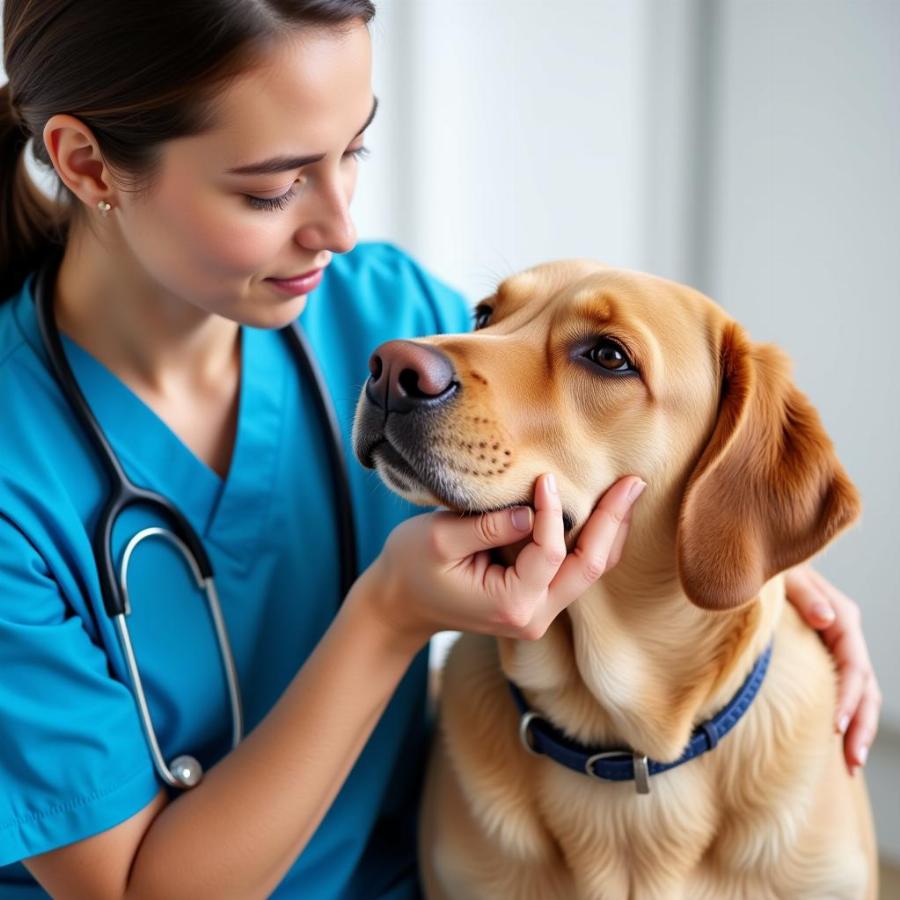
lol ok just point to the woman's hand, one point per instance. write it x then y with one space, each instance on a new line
837 618
435 572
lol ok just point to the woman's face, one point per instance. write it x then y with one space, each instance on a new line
213 236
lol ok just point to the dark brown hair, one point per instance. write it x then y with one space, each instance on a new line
137 74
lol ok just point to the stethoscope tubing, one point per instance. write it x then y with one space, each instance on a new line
208 586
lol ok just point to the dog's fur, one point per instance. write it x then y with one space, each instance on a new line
743 483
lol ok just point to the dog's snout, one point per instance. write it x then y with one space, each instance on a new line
405 376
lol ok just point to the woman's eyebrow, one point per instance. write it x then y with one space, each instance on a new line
286 163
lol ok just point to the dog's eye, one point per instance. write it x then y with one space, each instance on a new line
608 354
482 314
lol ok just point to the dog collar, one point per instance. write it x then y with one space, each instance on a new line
542 738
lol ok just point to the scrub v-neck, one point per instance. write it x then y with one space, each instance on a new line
222 510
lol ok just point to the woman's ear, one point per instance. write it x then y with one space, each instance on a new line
75 154
768 491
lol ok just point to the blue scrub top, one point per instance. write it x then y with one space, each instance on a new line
73 760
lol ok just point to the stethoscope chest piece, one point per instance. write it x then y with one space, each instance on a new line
186 771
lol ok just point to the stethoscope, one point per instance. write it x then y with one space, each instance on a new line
184 771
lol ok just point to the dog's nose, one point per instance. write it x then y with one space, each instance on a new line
407 376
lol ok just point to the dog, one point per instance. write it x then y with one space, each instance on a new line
594 373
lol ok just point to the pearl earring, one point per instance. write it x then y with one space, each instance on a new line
104 207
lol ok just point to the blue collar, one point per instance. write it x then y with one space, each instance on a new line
542 738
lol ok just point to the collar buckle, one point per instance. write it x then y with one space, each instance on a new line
524 733
641 773
639 762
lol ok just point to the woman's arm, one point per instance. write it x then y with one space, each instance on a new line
238 832
838 619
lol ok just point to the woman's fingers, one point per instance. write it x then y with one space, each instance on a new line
522 592
480 532
808 598
851 682
599 542
861 731
540 560
618 545
837 617
859 696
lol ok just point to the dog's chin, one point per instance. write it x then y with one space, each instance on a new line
430 484
402 478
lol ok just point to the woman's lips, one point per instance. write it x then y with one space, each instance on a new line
298 284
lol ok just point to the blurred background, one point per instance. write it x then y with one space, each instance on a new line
750 148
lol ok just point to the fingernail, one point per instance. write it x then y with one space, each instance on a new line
823 611
551 483
843 722
863 753
521 518
636 490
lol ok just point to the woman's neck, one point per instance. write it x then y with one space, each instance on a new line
154 341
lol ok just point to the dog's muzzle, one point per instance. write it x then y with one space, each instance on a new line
402 422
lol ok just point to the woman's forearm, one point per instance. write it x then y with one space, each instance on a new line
238 832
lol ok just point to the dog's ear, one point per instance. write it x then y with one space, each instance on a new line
768 491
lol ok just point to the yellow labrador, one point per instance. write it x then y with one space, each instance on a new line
593 373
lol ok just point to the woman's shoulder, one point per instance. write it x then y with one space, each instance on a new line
379 260
386 286
36 438
25 383
22 356
12 337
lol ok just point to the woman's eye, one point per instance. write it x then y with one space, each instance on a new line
272 202
482 314
358 153
610 356
282 201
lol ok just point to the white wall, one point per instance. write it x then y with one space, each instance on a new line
521 135
803 246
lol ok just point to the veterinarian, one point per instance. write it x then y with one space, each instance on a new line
207 154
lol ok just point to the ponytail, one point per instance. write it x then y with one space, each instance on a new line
29 226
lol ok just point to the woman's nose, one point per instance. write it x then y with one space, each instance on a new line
327 223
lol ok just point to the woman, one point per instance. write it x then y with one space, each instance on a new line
207 155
